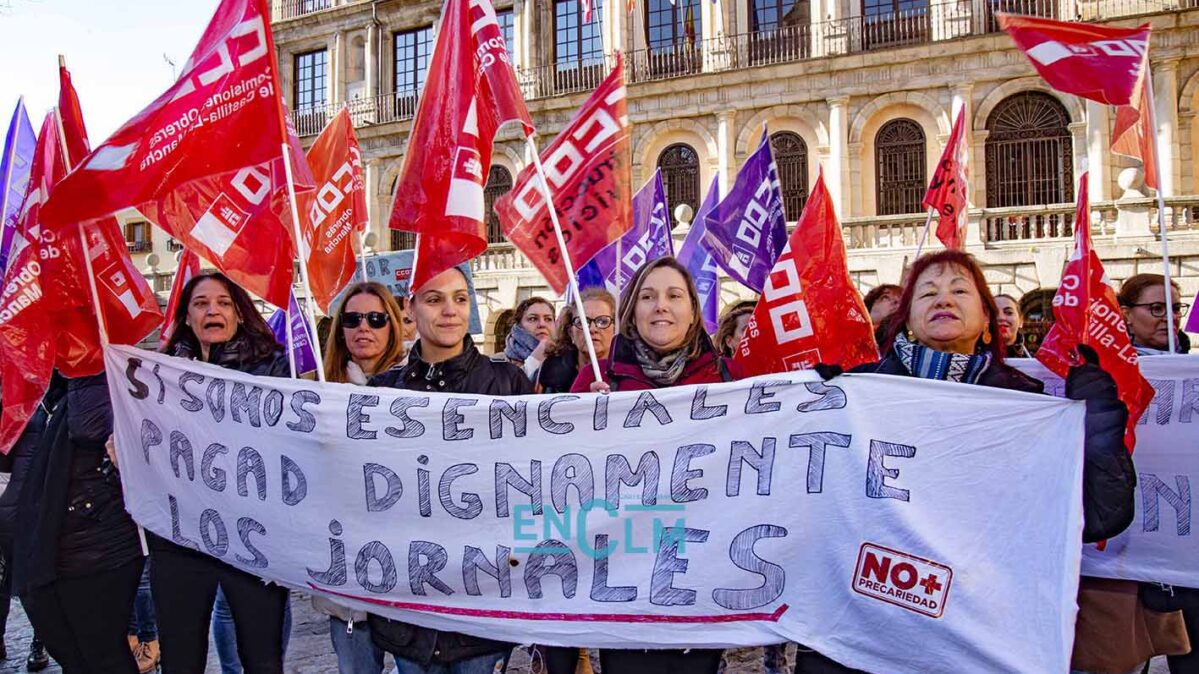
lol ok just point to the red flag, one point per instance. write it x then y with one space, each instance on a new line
336 211
204 161
469 93
129 306
1132 136
586 10
1103 63
27 340
810 311
74 131
947 191
1085 311
189 266
587 167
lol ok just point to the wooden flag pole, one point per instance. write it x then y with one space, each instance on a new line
928 222
570 268
309 320
1161 212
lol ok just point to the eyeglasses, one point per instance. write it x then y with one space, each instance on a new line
1158 309
601 322
375 319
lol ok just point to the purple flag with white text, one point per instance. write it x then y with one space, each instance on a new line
695 256
19 146
301 340
748 230
649 239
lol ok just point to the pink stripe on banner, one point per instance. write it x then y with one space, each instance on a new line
568 617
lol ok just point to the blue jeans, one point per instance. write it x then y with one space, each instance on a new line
356 651
225 636
142 623
480 664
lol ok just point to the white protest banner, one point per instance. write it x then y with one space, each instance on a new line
894 524
1159 546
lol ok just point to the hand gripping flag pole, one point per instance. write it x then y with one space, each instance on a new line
570 267
1171 333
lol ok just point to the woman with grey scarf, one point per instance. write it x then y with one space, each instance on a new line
531 332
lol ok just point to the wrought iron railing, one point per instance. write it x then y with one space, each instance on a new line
282 10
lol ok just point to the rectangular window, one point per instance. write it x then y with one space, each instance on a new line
310 80
137 236
505 20
412 51
576 42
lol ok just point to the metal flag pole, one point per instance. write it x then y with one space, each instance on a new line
309 320
291 352
362 254
1161 211
928 222
570 268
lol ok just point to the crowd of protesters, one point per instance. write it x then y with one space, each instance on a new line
103 599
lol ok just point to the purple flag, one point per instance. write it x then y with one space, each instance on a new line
695 256
19 146
1193 321
649 239
301 341
747 230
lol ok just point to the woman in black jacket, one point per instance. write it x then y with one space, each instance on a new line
946 328
444 359
216 322
567 352
76 554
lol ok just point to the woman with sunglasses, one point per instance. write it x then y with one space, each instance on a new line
365 338
1143 302
567 352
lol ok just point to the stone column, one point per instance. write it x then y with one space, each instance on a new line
1165 95
726 148
1097 151
371 63
335 69
838 150
1078 136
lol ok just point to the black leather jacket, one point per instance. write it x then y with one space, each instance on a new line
468 372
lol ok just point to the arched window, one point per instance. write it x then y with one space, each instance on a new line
1029 152
791 157
899 167
680 174
499 183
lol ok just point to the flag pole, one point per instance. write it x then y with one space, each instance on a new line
309 321
8 161
928 222
362 254
570 268
101 327
1171 333
291 352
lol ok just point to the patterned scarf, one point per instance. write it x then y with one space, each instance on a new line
928 363
662 370
520 343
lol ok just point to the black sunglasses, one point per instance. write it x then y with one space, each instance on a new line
375 319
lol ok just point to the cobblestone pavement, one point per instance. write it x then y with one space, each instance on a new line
311 653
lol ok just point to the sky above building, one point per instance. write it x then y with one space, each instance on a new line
117 52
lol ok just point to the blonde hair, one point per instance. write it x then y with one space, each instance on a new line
337 354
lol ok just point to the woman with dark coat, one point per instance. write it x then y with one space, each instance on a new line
661 343
946 328
444 359
216 322
567 352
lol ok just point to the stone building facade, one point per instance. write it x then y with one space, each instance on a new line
864 90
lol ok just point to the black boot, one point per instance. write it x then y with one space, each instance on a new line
38 658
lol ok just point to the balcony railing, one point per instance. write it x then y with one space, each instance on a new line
289 9
787 44
138 246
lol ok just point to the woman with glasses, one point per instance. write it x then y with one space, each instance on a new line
1143 301
366 338
567 353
